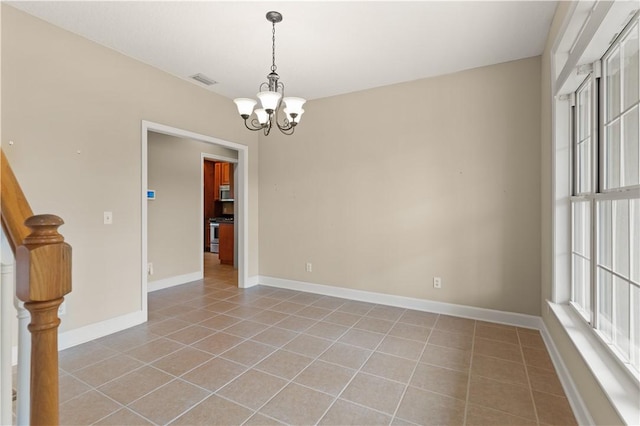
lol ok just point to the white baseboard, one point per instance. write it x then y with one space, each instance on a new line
94 331
100 329
173 281
511 318
90 332
252 281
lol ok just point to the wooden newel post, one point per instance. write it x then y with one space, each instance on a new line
43 277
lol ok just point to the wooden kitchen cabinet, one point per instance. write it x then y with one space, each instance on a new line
225 235
209 196
225 173
216 180
223 176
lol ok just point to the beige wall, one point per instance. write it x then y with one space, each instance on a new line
594 398
381 190
63 94
384 189
175 226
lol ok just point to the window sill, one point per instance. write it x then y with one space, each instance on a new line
621 389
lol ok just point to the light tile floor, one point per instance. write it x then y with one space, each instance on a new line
217 355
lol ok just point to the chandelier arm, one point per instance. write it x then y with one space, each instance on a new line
287 130
253 123
287 127
256 124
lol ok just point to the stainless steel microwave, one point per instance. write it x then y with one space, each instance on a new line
225 193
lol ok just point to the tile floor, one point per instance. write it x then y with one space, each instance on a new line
217 355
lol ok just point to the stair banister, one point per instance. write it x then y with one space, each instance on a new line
43 277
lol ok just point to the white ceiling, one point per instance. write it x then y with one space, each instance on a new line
323 48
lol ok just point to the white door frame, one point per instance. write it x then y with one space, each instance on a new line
242 198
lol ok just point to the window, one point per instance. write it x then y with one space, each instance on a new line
581 204
605 202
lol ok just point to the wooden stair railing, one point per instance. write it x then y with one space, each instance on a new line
43 277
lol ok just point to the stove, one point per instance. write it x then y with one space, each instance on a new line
223 219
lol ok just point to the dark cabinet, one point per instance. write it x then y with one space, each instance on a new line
208 198
226 243
216 180
225 173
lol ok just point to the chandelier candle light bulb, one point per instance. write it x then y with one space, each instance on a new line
262 115
271 99
245 106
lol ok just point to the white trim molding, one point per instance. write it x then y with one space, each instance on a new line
242 198
96 330
586 33
252 281
491 315
174 281
621 390
580 409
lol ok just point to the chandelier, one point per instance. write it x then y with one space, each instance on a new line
271 98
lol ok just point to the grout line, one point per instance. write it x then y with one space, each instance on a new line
128 405
300 372
207 396
299 333
406 387
363 364
473 347
526 370
128 409
282 296
73 374
317 358
92 388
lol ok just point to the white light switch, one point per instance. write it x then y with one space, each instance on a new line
108 218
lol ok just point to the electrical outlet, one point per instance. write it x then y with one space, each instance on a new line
108 218
62 309
309 267
437 282
150 268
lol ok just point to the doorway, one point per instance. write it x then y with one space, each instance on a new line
219 191
240 203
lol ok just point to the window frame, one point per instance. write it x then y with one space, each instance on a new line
579 35
581 196
604 119
599 192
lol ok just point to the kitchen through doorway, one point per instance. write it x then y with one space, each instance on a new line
173 207
220 233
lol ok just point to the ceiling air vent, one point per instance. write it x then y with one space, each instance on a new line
201 78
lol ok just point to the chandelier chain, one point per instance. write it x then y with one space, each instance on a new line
273 48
